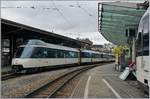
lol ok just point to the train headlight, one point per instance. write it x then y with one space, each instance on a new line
16 62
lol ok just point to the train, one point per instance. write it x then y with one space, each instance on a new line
37 54
142 53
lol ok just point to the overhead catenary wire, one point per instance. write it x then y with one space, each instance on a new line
58 10
79 6
49 6
53 7
89 14
28 7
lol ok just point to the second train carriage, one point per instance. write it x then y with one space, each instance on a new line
108 57
88 56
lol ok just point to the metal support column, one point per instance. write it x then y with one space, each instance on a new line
133 49
12 47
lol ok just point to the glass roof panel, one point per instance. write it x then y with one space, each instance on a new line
115 20
112 24
108 30
113 38
122 10
119 21
120 17
112 28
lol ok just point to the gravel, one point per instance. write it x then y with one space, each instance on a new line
68 89
18 87
21 86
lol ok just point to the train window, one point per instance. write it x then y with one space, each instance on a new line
86 55
31 52
92 55
97 56
146 44
76 55
139 45
39 52
19 52
143 44
51 53
24 52
82 54
105 56
101 55
60 54
67 54
71 54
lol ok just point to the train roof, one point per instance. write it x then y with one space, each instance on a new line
90 51
144 22
40 43
109 54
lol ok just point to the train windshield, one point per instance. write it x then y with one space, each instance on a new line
30 52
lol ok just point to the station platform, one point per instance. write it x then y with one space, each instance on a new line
104 82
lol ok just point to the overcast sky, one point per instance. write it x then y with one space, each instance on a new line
69 18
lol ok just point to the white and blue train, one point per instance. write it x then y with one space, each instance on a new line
37 54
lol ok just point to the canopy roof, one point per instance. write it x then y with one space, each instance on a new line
115 19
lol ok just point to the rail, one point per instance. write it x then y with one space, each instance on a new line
51 88
9 76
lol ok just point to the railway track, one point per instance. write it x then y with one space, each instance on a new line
50 89
9 76
14 75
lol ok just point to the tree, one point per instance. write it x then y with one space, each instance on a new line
117 51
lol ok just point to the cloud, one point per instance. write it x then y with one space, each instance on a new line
74 19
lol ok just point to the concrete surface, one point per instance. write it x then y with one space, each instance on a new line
104 82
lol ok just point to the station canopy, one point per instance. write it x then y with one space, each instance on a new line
115 20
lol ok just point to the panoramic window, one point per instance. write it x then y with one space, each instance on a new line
39 52
31 52
86 55
60 54
51 53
